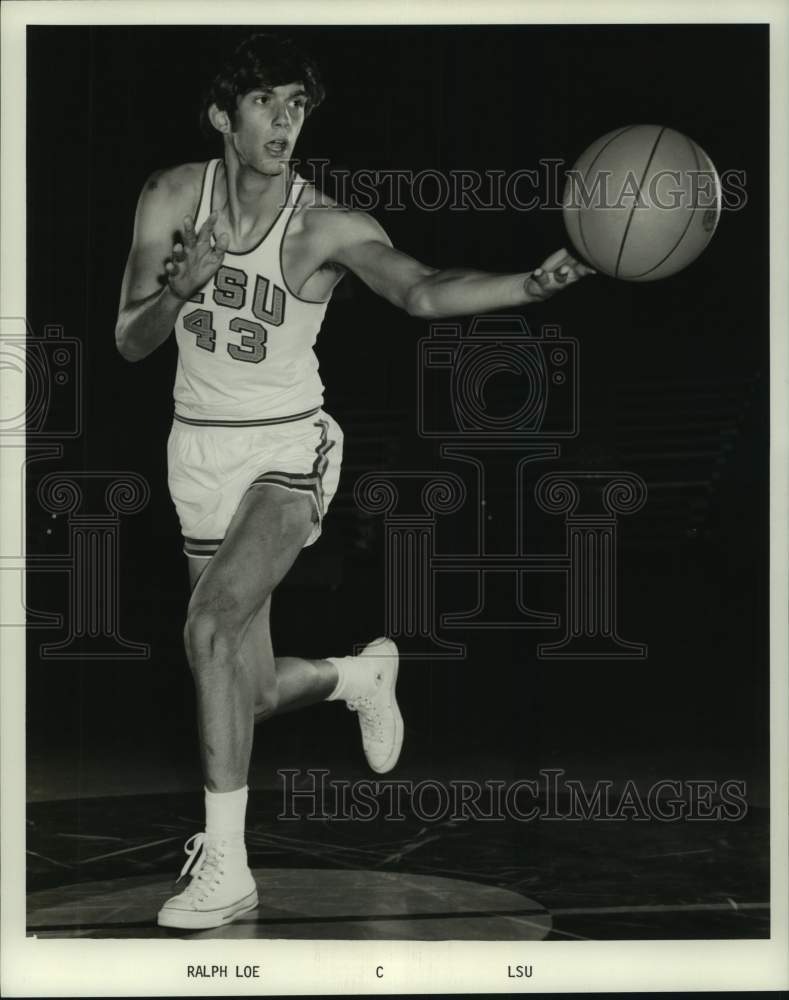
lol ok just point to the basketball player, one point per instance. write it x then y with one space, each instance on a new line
253 459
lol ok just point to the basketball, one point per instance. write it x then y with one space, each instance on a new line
642 202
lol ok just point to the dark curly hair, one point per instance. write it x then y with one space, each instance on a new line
261 60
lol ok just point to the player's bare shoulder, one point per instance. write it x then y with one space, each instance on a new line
332 226
170 194
315 213
180 182
166 198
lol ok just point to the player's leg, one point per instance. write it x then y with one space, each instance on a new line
300 682
265 535
196 567
365 683
229 647
232 676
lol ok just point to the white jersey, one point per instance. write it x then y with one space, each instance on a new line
245 340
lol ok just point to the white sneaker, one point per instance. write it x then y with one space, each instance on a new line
376 705
221 887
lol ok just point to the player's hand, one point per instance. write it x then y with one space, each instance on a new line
554 274
195 260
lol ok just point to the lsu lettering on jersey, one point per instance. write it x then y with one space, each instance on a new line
245 340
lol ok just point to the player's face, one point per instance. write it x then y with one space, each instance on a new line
267 124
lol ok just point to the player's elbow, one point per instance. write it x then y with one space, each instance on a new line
122 343
419 302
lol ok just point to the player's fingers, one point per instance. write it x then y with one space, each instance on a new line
221 243
542 277
207 228
178 252
579 266
190 237
172 268
556 260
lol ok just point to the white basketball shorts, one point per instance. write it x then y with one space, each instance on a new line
210 468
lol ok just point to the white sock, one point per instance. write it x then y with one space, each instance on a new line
349 675
225 815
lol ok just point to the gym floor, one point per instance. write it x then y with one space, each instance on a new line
594 880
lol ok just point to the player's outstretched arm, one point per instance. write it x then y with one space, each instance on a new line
363 247
163 269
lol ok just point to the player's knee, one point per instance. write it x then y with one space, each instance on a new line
211 636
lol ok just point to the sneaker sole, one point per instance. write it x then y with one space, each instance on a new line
394 756
191 920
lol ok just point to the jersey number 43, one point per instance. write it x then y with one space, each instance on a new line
230 292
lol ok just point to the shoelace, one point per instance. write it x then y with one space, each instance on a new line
203 864
369 717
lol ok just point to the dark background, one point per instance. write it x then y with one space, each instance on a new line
687 356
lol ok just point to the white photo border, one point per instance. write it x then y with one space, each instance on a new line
79 967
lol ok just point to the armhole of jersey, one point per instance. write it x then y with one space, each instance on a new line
294 197
296 191
280 225
206 193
